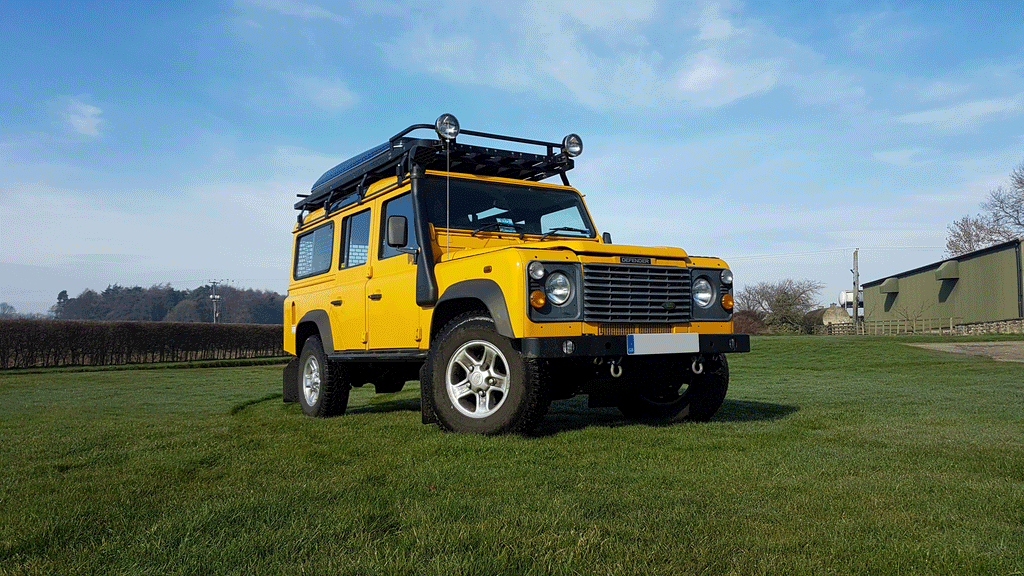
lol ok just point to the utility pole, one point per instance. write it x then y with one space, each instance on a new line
215 298
856 291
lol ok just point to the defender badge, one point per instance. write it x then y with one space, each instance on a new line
634 260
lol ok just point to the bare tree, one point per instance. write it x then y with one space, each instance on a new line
969 234
1003 220
1006 206
782 304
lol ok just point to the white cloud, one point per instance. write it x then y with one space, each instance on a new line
711 82
305 10
942 90
967 116
328 93
712 25
84 118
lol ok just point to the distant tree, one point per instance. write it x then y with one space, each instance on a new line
969 234
782 306
57 310
7 311
184 311
1003 219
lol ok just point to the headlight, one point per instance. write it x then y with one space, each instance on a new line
703 293
447 126
727 277
572 145
558 288
536 270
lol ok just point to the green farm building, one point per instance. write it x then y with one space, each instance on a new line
984 286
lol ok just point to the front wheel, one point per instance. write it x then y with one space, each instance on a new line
480 384
323 391
680 395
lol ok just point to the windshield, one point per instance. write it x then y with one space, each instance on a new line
495 207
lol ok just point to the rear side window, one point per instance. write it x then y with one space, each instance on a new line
355 247
314 251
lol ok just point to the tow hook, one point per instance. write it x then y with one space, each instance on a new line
615 368
698 365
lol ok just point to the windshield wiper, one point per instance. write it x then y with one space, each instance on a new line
564 229
495 225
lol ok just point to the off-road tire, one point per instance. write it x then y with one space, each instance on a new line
688 397
323 391
480 384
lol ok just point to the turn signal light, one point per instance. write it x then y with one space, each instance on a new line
538 299
727 301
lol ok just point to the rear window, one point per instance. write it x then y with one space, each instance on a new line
314 251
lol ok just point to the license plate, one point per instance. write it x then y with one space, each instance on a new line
639 344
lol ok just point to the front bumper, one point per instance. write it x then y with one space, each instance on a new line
595 346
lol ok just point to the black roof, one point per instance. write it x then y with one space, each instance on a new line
396 157
934 265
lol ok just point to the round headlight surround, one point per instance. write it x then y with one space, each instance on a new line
727 277
558 288
703 292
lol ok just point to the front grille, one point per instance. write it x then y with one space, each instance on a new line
636 294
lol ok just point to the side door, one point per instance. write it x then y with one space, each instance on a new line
392 315
348 297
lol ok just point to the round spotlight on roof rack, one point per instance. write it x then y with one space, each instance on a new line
572 145
447 126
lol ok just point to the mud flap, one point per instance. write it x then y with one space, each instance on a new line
290 385
427 415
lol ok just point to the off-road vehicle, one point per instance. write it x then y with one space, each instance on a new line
457 265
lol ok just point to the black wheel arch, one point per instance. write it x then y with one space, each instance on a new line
314 323
469 295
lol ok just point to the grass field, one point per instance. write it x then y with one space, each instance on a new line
830 456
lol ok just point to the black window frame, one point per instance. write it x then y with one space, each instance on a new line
330 252
383 250
346 238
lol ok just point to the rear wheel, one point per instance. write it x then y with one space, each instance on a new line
480 384
323 390
681 395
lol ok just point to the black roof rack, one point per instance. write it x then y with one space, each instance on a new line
396 157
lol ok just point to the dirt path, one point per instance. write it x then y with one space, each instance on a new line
1004 351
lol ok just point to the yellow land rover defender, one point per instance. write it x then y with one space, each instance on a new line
455 264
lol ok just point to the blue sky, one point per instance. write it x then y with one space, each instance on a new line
155 142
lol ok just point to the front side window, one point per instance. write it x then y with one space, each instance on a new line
401 206
313 253
492 206
355 246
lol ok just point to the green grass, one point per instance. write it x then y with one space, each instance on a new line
830 456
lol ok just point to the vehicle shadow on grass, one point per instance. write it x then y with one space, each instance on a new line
574 414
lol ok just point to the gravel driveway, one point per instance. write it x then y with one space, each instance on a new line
1004 351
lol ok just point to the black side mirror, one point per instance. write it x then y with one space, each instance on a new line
398 231
607 237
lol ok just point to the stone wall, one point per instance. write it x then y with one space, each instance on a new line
1003 327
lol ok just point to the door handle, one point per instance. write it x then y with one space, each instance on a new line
336 302
375 297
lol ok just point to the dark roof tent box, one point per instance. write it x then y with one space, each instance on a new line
396 157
